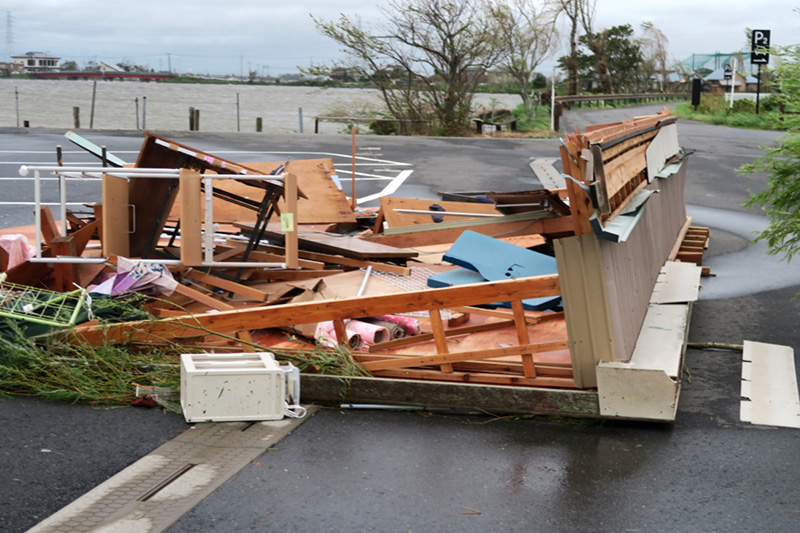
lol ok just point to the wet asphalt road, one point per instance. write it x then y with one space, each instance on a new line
347 470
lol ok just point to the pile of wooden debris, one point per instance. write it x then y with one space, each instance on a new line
573 299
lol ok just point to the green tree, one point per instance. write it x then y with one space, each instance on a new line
780 200
69 66
443 48
620 65
527 35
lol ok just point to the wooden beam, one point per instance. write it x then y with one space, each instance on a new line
523 338
243 290
446 358
191 218
425 337
289 220
317 311
116 217
439 337
49 228
472 377
65 272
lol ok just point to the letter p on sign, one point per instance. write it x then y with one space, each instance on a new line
759 45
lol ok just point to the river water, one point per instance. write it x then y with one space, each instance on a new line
49 103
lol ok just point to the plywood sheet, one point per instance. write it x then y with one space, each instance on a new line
325 203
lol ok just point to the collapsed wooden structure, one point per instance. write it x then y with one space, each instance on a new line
626 255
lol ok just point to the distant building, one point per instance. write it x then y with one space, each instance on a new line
107 67
37 62
718 84
6 69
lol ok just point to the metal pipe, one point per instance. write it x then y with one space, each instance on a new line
442 213
209 222
62 185
23 170
37 198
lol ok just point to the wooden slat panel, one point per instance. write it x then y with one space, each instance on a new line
304 313
619 171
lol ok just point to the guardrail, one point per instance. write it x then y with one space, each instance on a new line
561 101
317 120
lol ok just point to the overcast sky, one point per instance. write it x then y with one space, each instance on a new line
275 37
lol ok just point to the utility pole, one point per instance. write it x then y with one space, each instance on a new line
9 36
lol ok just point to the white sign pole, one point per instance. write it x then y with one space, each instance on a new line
733 79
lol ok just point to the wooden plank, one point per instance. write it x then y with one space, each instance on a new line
116 217
487 398
49 227
681 234
523 339
191 218
471 377
229 252
425 337
243 290
438 235
439 337
64 272
445 358
619 171
581 206
289 220
303 313
395 219
202 298
341 260
345 245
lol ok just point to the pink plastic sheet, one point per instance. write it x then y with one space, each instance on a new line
17 247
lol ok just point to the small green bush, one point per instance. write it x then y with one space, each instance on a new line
711 104
743 106
381 127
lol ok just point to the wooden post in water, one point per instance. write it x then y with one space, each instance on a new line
91 114
259 125
144 112
237 112
137 111
76 115
196 120
191 119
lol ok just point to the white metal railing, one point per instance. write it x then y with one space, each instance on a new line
63 173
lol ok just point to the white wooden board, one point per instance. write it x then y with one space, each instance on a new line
677 282
769 385
663 146
547 174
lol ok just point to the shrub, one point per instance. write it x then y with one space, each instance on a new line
382 127
744 105
711 104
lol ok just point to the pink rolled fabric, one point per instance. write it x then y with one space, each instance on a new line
370 333
326 335
410 324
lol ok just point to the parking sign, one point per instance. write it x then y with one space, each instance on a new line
758 41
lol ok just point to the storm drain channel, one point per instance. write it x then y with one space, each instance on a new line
158 489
